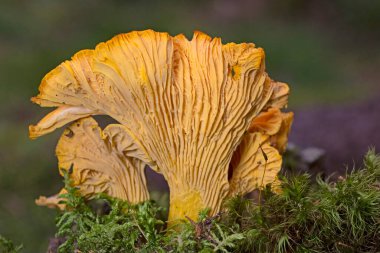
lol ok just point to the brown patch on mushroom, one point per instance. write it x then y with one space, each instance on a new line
69 133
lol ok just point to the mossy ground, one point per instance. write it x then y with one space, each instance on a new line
307 216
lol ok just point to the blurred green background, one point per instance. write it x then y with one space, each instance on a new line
328 51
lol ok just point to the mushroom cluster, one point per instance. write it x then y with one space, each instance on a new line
203 114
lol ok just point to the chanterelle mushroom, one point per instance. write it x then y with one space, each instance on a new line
255 163
99 163
184 104
257 160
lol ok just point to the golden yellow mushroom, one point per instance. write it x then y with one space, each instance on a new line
257 160
100 163
54 201
254 164
184 104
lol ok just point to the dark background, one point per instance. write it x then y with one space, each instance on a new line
328 51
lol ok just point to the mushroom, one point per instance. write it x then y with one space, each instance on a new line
99 162
254 164
257 160
185 105
55 201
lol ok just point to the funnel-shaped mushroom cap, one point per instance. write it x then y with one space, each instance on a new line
99 164
186 104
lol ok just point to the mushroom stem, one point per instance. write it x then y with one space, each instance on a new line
184 204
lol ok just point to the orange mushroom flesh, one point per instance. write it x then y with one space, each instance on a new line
185 105
255 164
99 164
257 160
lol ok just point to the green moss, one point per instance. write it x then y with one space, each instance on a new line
7 246
342 216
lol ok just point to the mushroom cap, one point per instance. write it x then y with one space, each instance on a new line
254 164
100 162
257 160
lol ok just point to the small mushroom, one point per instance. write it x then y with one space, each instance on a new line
99 164
257 160
254 164
54 201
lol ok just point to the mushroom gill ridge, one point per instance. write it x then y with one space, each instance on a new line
186 105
